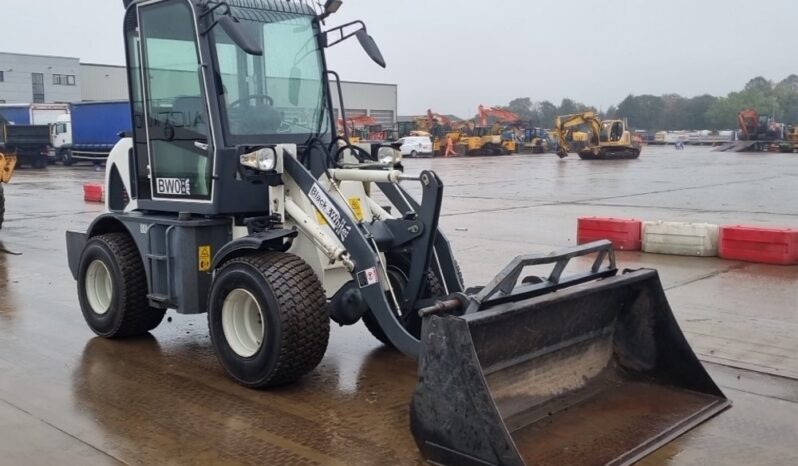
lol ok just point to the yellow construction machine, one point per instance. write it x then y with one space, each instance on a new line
490 140
607 140
7 164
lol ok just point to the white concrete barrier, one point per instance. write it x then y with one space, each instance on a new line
682 239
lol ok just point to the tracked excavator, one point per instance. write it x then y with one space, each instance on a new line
235 196
607 140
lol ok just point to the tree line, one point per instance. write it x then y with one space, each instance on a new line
675 112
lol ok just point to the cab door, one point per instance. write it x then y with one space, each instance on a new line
178 139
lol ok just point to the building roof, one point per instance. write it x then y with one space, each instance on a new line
38 56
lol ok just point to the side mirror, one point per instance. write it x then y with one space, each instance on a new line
241 35
370 46
294 85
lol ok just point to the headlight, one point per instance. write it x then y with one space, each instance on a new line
262 160
389 155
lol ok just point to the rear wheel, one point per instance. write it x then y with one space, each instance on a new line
112 288
40 163
268 319
413 154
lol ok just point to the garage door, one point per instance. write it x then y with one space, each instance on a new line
383 117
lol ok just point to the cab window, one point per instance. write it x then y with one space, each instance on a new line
177 128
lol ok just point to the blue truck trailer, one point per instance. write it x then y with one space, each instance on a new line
95 128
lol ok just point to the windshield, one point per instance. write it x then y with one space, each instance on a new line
279 93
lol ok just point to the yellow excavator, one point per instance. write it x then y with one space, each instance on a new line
607 140
7 164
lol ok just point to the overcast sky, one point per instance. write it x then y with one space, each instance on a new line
452 55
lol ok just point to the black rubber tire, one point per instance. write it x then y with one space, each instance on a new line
293 306
66 158
434 289
2 205
40 163
130 314
413 154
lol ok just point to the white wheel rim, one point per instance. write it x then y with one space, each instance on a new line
242 323
99 287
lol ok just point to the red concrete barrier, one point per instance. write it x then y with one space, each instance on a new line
625 234
93 192
757 244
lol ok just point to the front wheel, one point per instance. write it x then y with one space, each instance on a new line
66 158
413 154
112 288
268 319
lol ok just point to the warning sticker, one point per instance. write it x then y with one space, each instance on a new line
320 218
368 277
357 208
327 207
204 258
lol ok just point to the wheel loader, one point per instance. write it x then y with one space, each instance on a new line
7 164
607 140
234 196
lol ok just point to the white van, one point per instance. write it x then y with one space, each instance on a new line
414 146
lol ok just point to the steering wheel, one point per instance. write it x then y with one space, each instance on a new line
256 118
265 97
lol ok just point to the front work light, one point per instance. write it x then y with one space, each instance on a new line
389 155
262 160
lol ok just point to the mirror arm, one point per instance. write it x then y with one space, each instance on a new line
340 29
210 11
340 101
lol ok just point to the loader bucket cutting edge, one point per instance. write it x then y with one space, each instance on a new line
591 375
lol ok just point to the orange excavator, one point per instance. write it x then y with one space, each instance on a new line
503 116
437 119
758 127
358 127
490 140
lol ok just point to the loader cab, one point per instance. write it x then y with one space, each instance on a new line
211 81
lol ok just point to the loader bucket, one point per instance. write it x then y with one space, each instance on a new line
596 372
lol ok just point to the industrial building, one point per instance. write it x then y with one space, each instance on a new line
49 79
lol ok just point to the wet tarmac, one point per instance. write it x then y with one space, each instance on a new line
67 397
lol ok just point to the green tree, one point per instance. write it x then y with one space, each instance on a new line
568 106
547 112
695 110
522 107
643 112
759 84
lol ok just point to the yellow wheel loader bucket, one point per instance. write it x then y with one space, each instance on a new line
7 164
590 369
